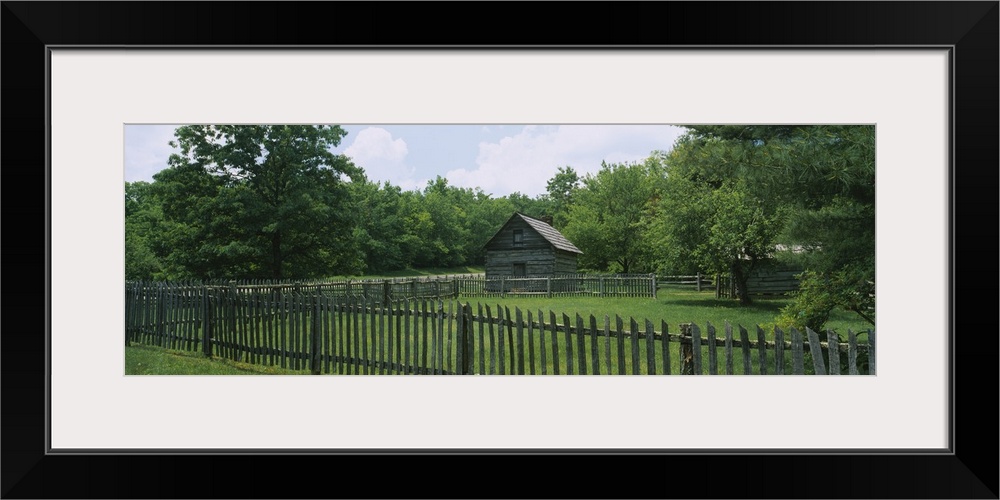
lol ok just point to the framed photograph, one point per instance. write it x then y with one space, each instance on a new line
924 74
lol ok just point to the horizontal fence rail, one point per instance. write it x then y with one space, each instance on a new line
321 333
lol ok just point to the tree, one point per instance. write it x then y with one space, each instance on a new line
561 189
260 200
608 218
143 218
823 179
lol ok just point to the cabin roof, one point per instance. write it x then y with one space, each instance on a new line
546 231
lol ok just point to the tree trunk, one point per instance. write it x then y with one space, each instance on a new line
740 279
276 255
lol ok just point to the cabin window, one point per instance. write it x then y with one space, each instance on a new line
520 269
518 237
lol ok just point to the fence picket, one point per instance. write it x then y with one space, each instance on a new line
510 340
634 330
555 343
520 340
696 348
762 350
745 347
817 352
493 352
871 352
713 363
451 319
852 352
595 353
666 347
779 351
607 343
434 340
581 346
569 346
833 349
650 349
542 346
482 344
729 348
620 339
501 343
423 337
531 344
798 364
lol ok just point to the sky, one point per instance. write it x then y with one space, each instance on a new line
499 159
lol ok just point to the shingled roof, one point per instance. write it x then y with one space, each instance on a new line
548 232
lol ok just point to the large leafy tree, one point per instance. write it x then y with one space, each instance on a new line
143 218
608 217
823 179
259 201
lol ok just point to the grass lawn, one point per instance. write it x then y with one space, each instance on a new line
152 360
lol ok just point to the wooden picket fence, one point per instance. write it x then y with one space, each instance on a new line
323 333
561 285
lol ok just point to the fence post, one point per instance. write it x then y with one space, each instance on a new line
548 286
386 292
437 290
600 286
503 287
652 277
698 278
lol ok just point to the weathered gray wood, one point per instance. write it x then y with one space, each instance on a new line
581 347
282 321
407 339
745 347
871 352
316 342
607 343
541 341
634 330
358 348
511 355
451 319
501 344
595 353
852 352
391 339
381 335
620 340
816 351
206 328
343 339
520 340
762 350
713 359
665 344
531 344
423 338
482 343
460 335
555 343
729 348
650 349
779 351
569 346
833 349
798 356
493 352
366 368
696 348
434 341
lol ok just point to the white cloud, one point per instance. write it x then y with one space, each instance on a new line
147 150
526 161
382 157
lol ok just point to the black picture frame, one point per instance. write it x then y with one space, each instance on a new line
969 28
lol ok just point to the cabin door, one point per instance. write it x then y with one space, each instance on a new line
520 269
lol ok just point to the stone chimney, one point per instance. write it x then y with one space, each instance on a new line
546 219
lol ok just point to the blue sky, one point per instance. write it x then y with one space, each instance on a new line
499 159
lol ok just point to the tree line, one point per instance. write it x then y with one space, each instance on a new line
242 201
